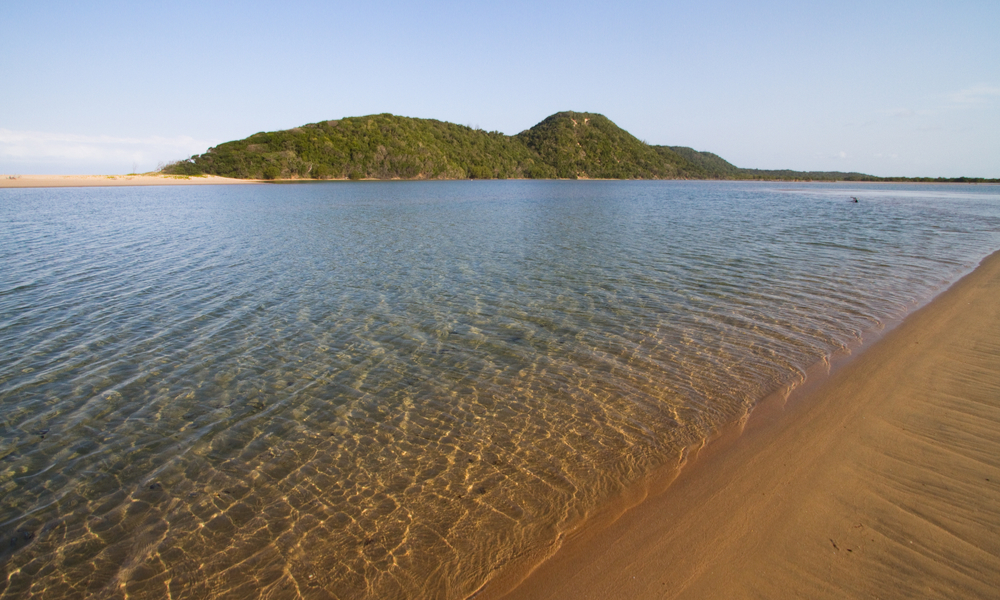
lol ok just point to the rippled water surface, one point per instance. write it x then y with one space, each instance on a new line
391 390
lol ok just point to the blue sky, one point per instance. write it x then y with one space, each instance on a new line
887 88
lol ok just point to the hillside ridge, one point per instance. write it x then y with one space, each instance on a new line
566 145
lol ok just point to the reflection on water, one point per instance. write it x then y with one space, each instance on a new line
390 390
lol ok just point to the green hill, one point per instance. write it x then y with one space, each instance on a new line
708 165
378 147
587 145
566 145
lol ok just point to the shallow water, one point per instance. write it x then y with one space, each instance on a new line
392 389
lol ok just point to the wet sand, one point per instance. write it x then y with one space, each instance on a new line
48 181
881 481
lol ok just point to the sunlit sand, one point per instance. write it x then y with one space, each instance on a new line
47 181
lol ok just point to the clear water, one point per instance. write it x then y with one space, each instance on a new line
390 390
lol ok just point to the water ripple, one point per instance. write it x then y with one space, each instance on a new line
394 389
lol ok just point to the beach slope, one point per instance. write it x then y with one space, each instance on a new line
50 181
881 482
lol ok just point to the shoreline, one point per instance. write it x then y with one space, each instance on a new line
146 179
157 179
878 478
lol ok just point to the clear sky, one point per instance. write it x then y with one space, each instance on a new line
883 87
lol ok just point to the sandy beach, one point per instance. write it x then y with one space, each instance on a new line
48 181
881 480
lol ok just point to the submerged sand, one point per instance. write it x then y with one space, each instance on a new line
881 482
47 181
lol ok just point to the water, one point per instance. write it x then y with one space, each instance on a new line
392 390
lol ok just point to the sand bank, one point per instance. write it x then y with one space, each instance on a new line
883 481
46 181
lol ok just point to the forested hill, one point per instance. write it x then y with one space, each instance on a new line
566 145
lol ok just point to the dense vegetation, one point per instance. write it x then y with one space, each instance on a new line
584 145
566 145
373 147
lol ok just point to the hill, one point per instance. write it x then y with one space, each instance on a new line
377 146
566 145
706 164
587 145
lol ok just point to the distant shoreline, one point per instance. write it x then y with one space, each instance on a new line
146 179
159 179
838 181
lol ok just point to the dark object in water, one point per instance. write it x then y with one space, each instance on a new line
20 537
853 199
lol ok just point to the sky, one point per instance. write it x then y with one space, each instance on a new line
881 87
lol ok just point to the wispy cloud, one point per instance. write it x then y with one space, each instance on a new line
69 149
977 94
